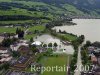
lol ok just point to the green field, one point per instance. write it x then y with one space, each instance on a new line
70 37
52 12
60 60
32 29
9 29
38 27
66 36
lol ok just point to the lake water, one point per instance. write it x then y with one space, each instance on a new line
88 27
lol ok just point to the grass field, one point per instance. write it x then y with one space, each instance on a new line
9 29
70 37
38 27
66 36
60 60
32 29
27 37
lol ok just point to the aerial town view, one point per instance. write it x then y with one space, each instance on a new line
49 37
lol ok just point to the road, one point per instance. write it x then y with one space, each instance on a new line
79 62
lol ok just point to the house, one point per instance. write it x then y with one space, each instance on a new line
15 72
3 50
22 63
94 59
99 60
97 71
97 50
16 45
24 49
4 55
91 49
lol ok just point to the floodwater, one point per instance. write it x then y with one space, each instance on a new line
88 27
46 39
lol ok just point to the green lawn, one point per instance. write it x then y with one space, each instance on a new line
70 37
67 36
9 29
38 27
27 37
33 28
61 60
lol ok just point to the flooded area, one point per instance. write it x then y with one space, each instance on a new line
46 39
88 27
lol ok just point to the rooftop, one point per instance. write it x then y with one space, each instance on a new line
22 62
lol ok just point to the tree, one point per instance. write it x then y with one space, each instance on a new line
96 44
15 54
6 66
17 30
55 44
34 49
59 31
81 39
21 34
6 42
49 52
88 43
44 45
31 39
50 45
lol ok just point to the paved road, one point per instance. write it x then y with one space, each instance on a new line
79 62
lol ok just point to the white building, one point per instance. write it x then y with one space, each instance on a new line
37 43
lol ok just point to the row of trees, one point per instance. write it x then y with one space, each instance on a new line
20 17
50 45
73 62
15 17
75 44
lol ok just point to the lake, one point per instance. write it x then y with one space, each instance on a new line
88 27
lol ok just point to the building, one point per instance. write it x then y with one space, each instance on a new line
99 60
91 49
22 63
15 72
4 55
37 43
94 59
16 45
24 49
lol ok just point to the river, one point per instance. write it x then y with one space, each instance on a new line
88 27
